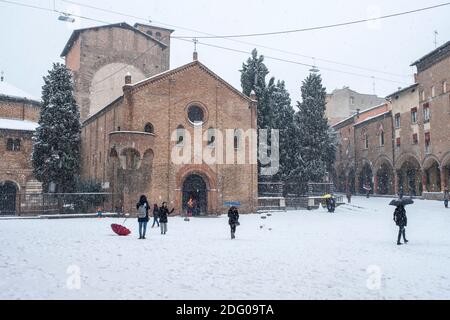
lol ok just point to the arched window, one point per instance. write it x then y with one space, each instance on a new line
381 138
149 128
237 138
211 136
149 32
158 35
180 135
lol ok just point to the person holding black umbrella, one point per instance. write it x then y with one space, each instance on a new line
233 220
401 221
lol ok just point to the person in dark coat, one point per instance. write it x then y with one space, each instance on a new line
142 206
446 197
163 213
233 220
155 215
401 221
331 204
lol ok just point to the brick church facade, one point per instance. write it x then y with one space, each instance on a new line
136 113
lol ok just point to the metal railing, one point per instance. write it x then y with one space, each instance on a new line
56 203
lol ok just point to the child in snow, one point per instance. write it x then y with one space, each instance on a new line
400 220
163 213
155 215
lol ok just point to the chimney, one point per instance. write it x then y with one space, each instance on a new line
195 56
128 78
357 112
253 95
415 77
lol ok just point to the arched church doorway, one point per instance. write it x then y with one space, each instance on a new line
194 187
8 191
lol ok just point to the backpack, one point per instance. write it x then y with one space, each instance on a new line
142 212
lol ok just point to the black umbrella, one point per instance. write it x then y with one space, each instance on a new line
401 202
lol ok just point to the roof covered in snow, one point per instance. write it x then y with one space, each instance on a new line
21 125
444 49
9 90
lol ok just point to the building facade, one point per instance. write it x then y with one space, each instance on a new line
19 113
415 122
342 103
130 144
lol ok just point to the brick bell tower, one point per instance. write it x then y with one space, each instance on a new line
100 57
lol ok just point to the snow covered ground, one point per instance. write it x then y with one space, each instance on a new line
351 254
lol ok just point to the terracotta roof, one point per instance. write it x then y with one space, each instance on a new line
123 25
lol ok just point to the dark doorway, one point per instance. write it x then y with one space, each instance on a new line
194 187
365 178
8 192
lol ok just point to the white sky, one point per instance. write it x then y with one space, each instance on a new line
32 39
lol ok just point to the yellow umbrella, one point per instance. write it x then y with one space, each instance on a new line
327 196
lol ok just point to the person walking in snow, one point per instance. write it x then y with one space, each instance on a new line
446 197
233 220
331 204
401 221
155 215
142 207
163 214
349 196
367 188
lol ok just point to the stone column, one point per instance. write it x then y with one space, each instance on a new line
375 184
396 186
444 182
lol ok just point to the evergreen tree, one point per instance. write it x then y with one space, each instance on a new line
315 144
283 120
56 142
253 78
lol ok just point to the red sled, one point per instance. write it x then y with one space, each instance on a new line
120 230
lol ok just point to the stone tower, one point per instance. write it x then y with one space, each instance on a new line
100 57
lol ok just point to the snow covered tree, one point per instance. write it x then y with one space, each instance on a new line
253 78
274 110
56 142
283 120
315 143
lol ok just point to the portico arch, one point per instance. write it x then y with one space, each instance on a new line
409 175
432 171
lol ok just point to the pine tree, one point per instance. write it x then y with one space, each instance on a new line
56 142
315 144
